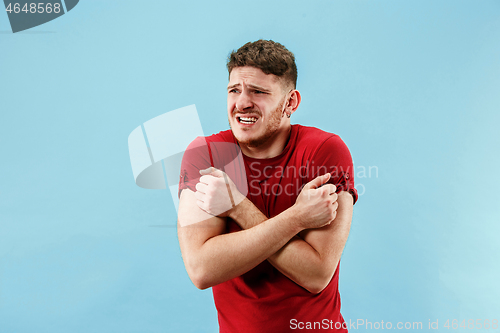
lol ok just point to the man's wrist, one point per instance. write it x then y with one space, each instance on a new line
246 214
293 217
236 212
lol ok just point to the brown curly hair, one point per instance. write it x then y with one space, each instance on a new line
269 56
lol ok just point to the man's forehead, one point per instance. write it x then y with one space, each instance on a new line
251 76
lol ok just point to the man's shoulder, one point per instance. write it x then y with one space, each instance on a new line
223 136
314 136
216 150
314 142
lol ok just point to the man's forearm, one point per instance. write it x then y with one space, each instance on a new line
297 260
223 257
309 260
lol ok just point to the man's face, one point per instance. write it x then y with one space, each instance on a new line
255 106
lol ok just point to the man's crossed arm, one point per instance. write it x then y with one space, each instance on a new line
304 242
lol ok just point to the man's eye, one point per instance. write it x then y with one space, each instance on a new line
233 91
259 92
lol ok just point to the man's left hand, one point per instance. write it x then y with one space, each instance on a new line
216 193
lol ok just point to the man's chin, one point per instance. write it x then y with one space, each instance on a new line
242 137
251 142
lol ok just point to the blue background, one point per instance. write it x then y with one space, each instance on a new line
412 87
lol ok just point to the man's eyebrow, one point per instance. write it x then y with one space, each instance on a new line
233 86
258 88
252 86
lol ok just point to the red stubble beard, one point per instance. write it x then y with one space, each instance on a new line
272 126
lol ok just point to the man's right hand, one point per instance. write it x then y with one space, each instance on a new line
316 205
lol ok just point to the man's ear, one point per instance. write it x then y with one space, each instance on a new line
293 101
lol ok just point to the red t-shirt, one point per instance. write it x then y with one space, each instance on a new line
263 299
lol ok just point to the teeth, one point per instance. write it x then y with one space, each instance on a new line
248 120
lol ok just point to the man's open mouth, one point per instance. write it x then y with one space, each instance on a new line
246 120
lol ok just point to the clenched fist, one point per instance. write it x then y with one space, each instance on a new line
216 193
316 205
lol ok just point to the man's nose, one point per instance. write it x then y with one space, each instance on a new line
244 101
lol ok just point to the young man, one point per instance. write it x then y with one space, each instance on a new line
270 255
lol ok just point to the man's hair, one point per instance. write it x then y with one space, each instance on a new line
269 56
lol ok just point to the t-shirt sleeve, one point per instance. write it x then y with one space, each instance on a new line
334 157
195 158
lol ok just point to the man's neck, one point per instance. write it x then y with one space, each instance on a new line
271 148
